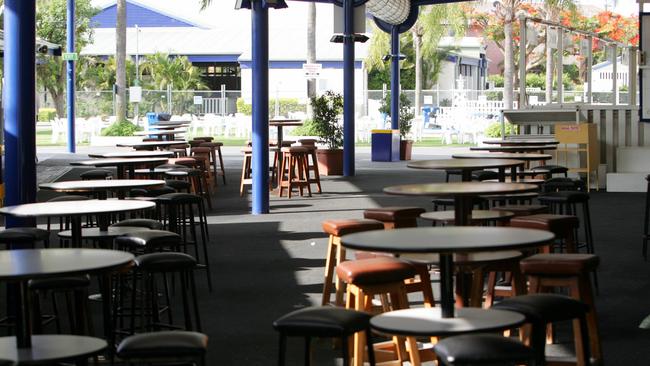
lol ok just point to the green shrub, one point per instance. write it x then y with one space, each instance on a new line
123 128
46 114
405 113
327 109
535 81
497 80
307 129
494 129
244 108
286 105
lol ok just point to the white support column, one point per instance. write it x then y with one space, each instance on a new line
632 75
522 62
560 65
590 78
614 51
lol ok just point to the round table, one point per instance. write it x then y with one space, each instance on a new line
446 241
519 148
20 266
101 186
463 194
75 211
152 145
161 134
519 142
284 122
171 126
122 164
500 155
476 216
466 166
134 154
430 322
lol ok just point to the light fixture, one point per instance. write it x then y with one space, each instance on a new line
339 38
393 12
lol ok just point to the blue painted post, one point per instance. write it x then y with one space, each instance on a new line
20 105
394 78
71 74
348 88
260 30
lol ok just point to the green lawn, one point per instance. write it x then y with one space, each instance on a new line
43 138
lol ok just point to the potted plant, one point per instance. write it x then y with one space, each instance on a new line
405 123
326 110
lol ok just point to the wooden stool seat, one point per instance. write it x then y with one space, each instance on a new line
394 217
569 264
375 271
350 226
215 154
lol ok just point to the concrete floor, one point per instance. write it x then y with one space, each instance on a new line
267 265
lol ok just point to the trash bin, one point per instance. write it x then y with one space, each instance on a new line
426 112
152 118
384 145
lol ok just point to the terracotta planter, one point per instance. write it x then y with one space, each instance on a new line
330 161
405 148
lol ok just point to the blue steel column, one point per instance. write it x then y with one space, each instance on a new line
70 74
260 21
348 88
20 105
394 78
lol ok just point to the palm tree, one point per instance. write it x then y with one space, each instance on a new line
120 57
505 10
552 10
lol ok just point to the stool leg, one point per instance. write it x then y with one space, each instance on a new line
371 349
340 285
345 351
314 160
329 270
586 295
223 170
359 339
645 223
308 351
282 349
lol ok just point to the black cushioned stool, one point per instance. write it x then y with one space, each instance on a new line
324 322
179 217
143 223
26 237
483 349
164 264
149 241
164 347
543 309
96 174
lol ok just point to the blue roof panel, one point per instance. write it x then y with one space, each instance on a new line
137 14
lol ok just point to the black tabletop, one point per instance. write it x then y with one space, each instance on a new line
97 233
26 264
525 142
101 185
153 143
499 155
429 322
50 349
472 164
514 148
118 161
446 239
44 209
459 189
133 154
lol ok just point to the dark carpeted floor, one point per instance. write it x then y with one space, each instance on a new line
267 265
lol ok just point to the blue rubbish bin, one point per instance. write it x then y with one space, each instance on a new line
384 145
152 118
426 111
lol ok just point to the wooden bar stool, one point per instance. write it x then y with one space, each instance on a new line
522 210
202 155
563 226
312 166
336 252
377 276
215 153
395 217
246 170
570 271
294 170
